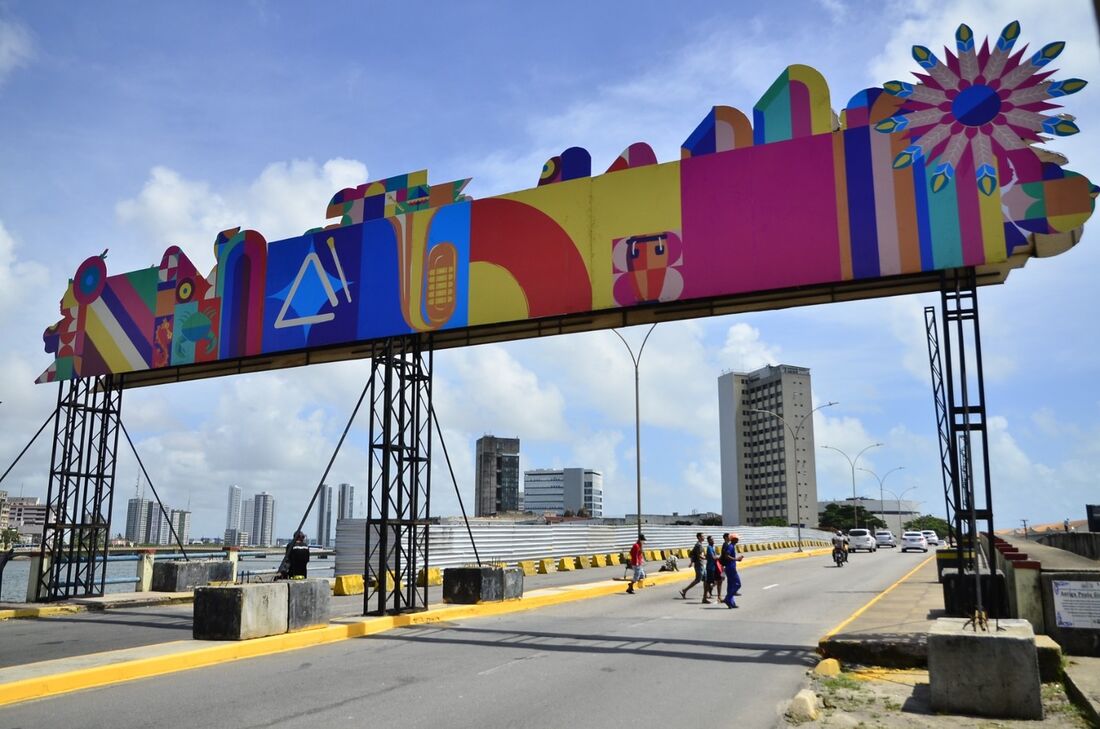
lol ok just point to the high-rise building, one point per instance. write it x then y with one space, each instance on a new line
181 522
233 510
264 519
760 459
324 517
236 538
346 502
137 521
3 509
497 479
557 491
248 520
157 530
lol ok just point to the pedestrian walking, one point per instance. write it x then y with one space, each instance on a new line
698 557
730 557
637 560
713 572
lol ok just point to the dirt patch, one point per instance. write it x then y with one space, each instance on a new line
882 697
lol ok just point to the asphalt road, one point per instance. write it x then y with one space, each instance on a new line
650 659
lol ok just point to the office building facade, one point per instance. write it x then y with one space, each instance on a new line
263 520
181 522
345 502
497 475
233 508
556 491
766 473
137 520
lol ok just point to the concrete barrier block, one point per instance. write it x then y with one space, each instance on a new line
472 585
598 560
348 585
613 559
239 612
581 562
546 566
307 603
624 557
184 576
565 564
993 673
1050 658
429 576
527 565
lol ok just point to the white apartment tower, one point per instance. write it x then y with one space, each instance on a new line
346 502
233 509
264 516
760 459
556 491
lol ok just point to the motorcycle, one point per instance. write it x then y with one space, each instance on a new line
839 556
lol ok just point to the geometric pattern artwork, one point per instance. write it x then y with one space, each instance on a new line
908 178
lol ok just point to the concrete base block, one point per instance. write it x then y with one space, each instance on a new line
307 603
1050 658
472 585
992 673
184 576
239 612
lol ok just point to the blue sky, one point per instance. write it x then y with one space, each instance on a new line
133 126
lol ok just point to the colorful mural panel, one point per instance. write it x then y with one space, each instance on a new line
910 178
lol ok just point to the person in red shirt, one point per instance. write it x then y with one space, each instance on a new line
637 558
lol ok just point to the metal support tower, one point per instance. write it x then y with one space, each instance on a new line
967 417
399 477
72 558
939 400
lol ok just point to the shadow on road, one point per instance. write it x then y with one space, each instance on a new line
703 650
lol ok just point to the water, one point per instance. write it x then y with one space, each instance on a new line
17 571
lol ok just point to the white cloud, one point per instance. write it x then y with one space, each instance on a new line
16 47
285 200
18 278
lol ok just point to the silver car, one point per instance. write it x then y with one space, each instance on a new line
861 539
931 537
884 538
913 540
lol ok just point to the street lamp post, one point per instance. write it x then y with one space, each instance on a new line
852 462
881 481
903 493
794 449
637 416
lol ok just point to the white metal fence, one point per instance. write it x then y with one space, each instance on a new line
449 544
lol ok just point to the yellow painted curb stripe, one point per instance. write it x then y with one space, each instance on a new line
208 655
41 612
875 599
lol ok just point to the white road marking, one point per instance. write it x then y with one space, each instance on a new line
770 586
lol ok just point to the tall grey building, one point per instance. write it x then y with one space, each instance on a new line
233 509
497 479
248 521
760 461
264 519
137 520
557 491
181 522
324 516
346 502
156 525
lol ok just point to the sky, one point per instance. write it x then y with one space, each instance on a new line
134 126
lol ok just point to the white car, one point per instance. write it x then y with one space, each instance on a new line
913 540
861 539
884 538
931 537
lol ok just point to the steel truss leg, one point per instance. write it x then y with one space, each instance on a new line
81 489
968 439
399 476
935 363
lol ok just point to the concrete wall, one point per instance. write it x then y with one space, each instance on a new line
1086 544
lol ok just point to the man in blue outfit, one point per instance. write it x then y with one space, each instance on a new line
729 560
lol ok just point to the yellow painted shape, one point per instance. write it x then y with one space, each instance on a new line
348 585
598 560
528 566
495 295
637 201
565 564
614 559
96 332
546 566
821 114
581 562
993 229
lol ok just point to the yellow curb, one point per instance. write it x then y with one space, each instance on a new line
211 654
875 599
41 612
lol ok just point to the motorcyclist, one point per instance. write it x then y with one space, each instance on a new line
840 543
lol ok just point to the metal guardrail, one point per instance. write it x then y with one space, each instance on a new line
449 544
